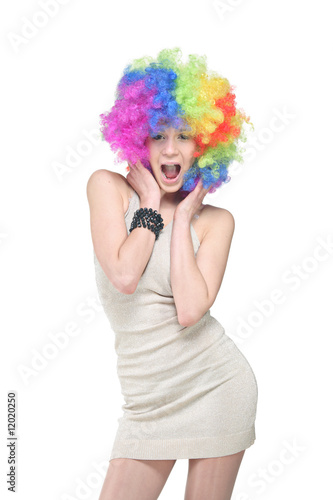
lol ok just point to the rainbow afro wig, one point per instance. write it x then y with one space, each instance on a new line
156 94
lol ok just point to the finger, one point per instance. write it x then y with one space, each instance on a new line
203 192
198 187
139 165
204 189
201 189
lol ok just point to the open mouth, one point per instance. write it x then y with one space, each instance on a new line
170 171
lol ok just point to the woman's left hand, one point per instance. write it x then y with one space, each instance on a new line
192 203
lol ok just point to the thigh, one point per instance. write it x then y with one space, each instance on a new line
131 479
212 478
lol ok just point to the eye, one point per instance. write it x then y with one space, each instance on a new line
184 136
157 137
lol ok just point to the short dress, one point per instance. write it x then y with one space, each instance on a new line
188 391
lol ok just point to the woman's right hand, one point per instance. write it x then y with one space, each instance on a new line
143 182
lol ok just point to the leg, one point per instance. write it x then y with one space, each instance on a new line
131 479
212 478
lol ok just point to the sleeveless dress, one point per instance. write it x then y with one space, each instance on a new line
188 391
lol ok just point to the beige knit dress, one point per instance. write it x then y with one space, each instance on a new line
188 391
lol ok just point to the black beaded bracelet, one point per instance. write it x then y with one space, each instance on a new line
149 218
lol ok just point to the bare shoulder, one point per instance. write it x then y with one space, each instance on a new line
104 176
218 213
103 179
216 220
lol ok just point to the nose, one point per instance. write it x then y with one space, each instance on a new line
170 147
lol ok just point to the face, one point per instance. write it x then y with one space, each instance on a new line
171 155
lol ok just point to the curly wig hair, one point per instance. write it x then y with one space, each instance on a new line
155 94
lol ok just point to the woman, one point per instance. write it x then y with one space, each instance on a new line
189 392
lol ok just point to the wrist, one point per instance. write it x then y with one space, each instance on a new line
150 202
182 218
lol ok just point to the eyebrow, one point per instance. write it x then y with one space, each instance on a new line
179 131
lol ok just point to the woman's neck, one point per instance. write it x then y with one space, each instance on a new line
170 199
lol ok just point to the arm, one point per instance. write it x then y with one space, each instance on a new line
196 280
122 257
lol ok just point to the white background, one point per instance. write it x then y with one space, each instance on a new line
59 74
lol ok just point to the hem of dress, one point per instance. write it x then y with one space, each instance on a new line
170 449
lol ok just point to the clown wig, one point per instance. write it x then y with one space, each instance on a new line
155 94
